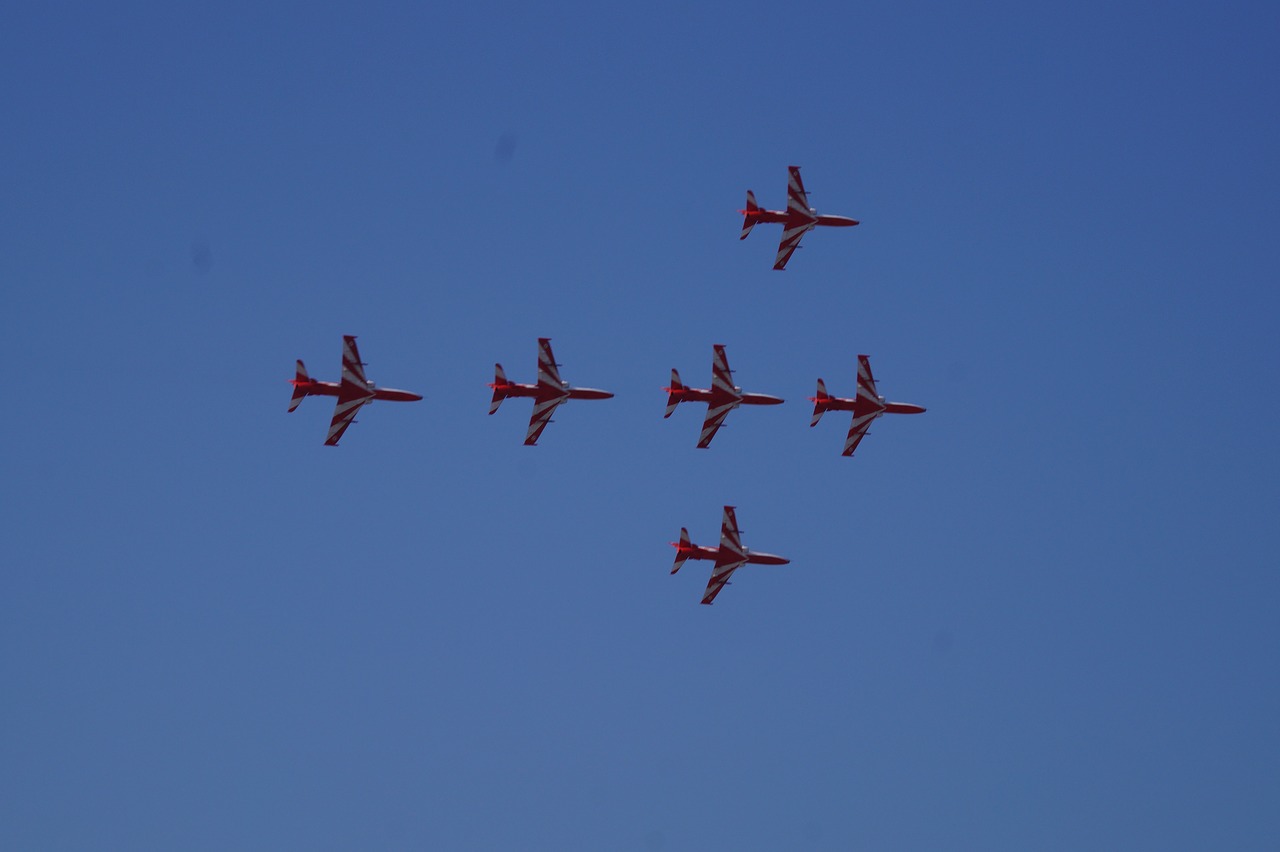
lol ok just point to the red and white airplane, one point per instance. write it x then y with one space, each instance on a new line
797 220
721 398
353 392
866 406
548 393
729 556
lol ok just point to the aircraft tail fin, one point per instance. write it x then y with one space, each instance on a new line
751 214
819 403
673 393
499 382
683 546
300 379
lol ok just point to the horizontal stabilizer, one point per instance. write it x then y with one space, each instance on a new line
683 547
673 393
300 379
751 214
819 403
499 382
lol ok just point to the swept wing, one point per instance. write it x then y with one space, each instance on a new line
542 410
800 219
551 391
353 392
730 558
724 397
867 406
548 370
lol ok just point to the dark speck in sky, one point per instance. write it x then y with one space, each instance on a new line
201 256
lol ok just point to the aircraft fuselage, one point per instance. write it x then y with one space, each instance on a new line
315 388
516 389
861 407
716 398
712 554
783 217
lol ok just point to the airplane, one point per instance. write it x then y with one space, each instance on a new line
548 393
353 392
722 398
797 220
866 406
729 556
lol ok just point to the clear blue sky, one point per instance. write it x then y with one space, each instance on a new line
1040 616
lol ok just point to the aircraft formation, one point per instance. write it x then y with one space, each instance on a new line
353 392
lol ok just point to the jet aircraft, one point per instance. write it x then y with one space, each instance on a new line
866 406
721 398
353 392
729 556
797 220
548 393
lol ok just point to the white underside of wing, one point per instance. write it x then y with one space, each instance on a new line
352 367
730 538
714 420
541 416
344 414
790 242
720 578
548 372
866 381
721 375
857 431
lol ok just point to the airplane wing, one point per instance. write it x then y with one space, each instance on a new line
721 382
731 557
857 431
797 198
715 419
551 391
791 235
720 578
353 392
730 538
352 366
542 409
344 414
867 408
866 381
800 219
548 372
721 375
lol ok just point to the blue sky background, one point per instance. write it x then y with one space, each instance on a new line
1040 616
